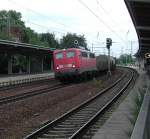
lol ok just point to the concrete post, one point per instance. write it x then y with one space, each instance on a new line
109 71
42 64
29 64
10 64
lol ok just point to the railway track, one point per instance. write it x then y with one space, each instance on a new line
71 124
89 131
14 98
26 84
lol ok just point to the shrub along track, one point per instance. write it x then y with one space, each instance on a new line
73 122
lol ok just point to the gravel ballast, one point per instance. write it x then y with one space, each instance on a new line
20 118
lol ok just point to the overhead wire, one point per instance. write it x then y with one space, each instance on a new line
106 12
100 20
43 26
37 13
49 28
63 33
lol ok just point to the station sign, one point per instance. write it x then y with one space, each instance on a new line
147 55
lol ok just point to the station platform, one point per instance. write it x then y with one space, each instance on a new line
19 79
119 125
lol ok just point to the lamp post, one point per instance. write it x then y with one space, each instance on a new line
108 44
127 33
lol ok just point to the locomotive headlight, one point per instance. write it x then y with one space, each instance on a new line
73 66
57 67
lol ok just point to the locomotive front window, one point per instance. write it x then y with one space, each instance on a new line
70 54
92 55
84 54
59 56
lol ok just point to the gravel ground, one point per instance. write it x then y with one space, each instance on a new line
20 118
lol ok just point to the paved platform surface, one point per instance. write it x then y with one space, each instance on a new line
118 125
6 81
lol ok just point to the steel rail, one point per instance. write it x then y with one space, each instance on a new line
76 135
14 98
81 116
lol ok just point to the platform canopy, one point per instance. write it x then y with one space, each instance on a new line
140 14
23 48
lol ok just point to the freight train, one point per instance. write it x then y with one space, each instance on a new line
77 63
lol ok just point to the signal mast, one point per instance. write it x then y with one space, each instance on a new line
108 44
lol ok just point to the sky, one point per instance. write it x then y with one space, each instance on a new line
95 19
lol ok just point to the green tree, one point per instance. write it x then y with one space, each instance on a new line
12 19
68 41
50 39
125 59
9 19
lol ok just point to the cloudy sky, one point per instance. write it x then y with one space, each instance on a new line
96 19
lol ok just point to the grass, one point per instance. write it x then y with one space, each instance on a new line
137 102
96 83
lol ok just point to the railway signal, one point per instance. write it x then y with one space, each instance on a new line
108 44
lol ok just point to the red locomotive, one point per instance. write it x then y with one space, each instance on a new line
73 62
